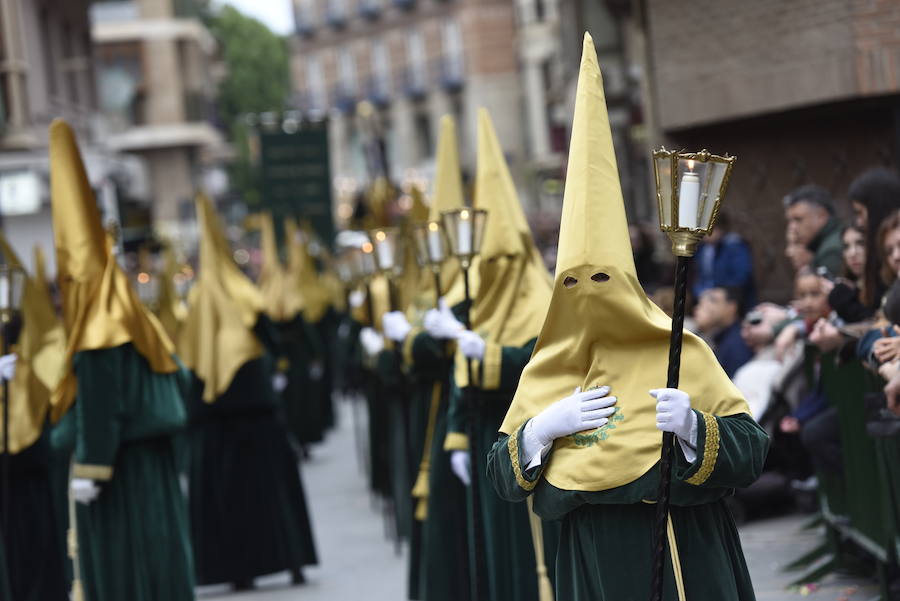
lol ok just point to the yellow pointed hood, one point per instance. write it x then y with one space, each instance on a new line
600 328
280 292
316 292
448 195
514 289
100 308
217 338
40 350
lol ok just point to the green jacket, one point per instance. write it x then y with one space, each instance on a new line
827 247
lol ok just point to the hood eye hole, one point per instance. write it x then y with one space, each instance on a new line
600 277
569 282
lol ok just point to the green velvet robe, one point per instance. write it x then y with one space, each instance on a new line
508 546
295 346
605 548
392 388
440 560
248 509
133 538
35 563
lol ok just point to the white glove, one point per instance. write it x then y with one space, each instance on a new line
459 463
371 341
8 366
581 411
440 323
279 382
471 344
356 298
673 414
395 326
84 490
317 369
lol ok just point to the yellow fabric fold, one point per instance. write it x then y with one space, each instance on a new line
281 294
40 350
514 287
600 328
100 308
217 338
456 441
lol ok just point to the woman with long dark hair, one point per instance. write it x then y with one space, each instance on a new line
874 195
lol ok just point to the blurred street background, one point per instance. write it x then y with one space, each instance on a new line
306 107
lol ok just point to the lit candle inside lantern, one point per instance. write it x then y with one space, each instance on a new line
464 233
4 292
384 251
689 198
435 248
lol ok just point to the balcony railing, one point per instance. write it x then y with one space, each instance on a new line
452 71
378 91
344 99
196 107
405 4
415 81
370 9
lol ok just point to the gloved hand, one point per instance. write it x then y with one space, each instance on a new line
8 366
395 326
673 414
459 463
356 298
84 490
471 345
371 341
279 382
581 411
440 322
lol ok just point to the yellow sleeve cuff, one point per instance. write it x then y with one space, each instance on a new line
491 366
512 444
92 472
710 451
456 441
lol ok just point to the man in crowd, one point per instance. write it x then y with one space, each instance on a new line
717 316
809 213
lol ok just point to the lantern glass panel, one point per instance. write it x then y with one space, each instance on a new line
711 192
465 230
386 246
662 165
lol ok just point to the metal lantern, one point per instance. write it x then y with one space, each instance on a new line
367 260
465 232
12 285
388 250
431 244
690 187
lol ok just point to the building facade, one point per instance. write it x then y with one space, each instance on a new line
157 77
46 72
414 61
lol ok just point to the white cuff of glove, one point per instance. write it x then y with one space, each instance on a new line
689 447
471 345
8 366
532 449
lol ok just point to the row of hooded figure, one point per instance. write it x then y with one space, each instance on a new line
471 373
421 453
151 452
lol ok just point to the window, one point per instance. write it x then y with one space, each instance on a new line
48 51
381 71
452 59
337 12
347 73
416 69
305 15
315 84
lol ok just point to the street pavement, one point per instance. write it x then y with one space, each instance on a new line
358 559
